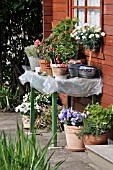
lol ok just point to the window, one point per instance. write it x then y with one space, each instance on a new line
88 11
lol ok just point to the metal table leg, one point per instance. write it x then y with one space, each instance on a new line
32 111
54 118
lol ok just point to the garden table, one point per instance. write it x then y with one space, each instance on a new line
78 87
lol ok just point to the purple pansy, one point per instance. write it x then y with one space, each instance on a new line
71 117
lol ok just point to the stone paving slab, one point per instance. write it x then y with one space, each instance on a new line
74 160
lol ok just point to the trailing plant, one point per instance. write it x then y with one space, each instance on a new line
23 153
99 120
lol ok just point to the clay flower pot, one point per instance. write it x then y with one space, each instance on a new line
73 142
93 140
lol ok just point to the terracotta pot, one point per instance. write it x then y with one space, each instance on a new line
26 122
93 140
73 142
42 63
59 72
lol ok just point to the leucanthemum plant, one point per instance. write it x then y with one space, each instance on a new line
89 36
39 101
71 117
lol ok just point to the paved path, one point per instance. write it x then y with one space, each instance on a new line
74 160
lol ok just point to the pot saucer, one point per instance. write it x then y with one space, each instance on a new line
75 149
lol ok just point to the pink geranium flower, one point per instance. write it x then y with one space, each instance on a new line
51 49
37 42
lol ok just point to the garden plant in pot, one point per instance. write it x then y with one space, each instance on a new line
60 46
40 101
24 109
34 52
72 120
90 37
96 125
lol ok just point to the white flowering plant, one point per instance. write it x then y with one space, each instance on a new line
39 101
89 36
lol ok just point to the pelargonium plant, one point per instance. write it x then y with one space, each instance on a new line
71 117
89 36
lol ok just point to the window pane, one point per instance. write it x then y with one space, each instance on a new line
93 17
93 2
79 13
78 2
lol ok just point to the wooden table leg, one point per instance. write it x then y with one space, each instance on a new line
32 111
54 119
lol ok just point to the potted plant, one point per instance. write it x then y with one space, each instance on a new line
89 36
96 124
40 100
60 46
72 120
34 52
24 109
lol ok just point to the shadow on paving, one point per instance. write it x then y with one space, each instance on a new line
74 160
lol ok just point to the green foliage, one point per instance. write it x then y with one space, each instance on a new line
24 153
20 26
8 98
99 120
60 45
31 51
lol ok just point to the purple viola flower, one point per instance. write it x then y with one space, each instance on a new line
71 117
61 116
73 121
74 114
69 114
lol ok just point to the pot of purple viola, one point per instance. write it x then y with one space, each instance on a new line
73 121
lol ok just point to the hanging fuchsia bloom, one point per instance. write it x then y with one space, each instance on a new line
37 42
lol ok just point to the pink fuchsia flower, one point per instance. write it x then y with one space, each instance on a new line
37 42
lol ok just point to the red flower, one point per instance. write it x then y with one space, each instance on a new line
37 42
47 64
